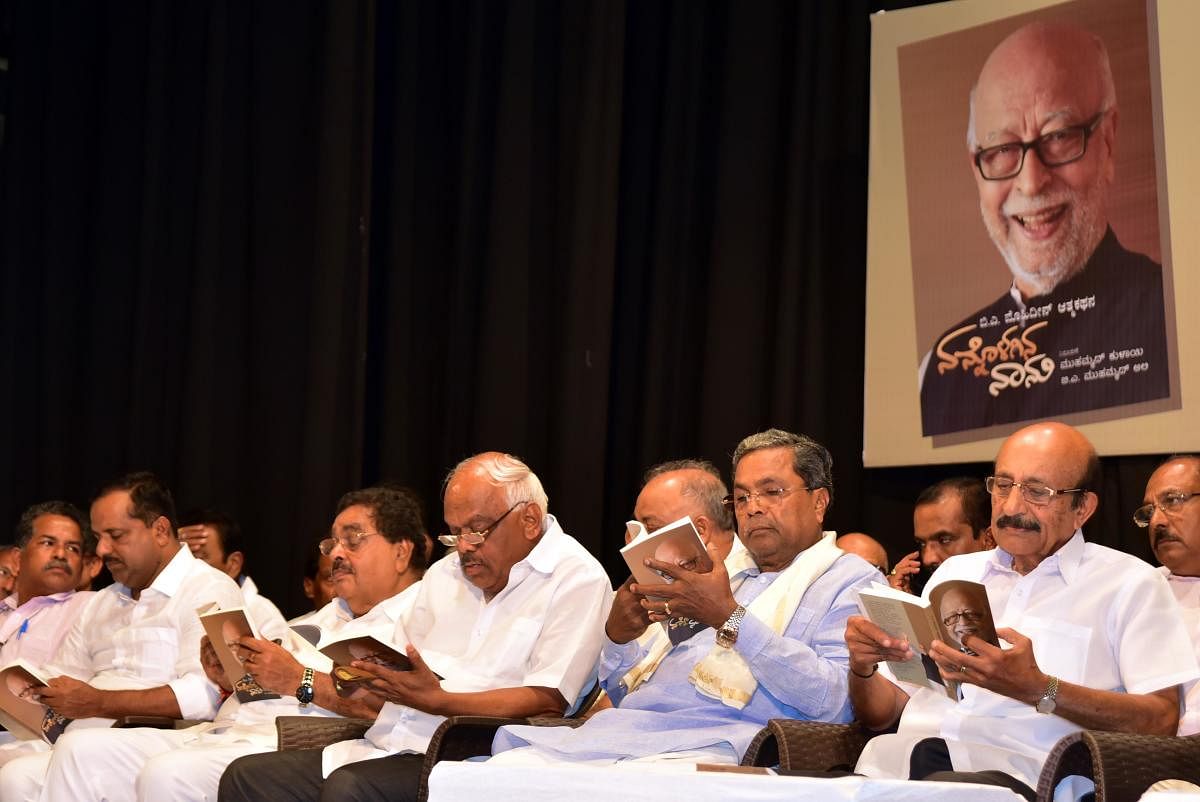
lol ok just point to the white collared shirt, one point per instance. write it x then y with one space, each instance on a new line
1096 617
543 629
34 630
1187 593
122 643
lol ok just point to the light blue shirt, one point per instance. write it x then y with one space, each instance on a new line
801 674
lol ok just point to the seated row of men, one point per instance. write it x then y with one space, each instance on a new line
520 620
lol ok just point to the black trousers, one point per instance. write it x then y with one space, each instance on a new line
295 776
930 760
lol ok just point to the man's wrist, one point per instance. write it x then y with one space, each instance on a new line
867 674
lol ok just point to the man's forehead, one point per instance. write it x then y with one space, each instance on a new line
58 526
353 519
1181 475
765 466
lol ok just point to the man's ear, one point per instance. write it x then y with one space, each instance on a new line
403 550
162 530
234 564
702 525
310 592
531 520
1086 507
820 502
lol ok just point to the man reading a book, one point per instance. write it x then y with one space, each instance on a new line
135 648
377 546
769 643
1171 515
506 624
1096 640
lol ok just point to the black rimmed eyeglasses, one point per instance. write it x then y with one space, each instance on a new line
1054 149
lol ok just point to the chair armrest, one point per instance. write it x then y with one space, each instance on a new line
1123 765
156 722
806 745
316 732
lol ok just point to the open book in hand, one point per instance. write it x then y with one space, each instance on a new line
955 609
366 649
223 628
677 543
21 711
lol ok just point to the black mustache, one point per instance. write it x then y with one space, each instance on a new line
1018 522
340 565
1161 533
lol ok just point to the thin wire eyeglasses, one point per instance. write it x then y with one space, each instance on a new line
474 538
768 497
349 542
1170 504
1033 492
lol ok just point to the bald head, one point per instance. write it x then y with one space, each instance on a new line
1048 217
1059 64
1027 521
866 547
671 494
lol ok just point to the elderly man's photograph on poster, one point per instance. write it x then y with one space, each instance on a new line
1033 213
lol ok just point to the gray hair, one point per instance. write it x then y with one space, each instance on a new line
811 461
1106 82
519 482
709 490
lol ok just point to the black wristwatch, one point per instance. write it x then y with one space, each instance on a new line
304 694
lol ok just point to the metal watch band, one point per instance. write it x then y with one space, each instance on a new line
1049 699
728 633
304 694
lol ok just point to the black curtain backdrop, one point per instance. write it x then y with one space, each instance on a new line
274 251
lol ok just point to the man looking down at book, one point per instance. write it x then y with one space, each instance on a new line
35 619
507 624
1171 515
135 648
1095 639
377 545
769 639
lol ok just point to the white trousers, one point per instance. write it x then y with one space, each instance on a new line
125 765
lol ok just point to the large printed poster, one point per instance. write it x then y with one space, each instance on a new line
1026 152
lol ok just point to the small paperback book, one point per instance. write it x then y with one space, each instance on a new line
366 649
223 628
21 712
954 609
677 543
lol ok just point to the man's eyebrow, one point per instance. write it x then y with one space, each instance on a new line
1067 113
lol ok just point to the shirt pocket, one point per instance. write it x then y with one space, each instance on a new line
150 653
519 639
1061 648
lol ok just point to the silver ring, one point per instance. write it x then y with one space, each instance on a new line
667 608
962 669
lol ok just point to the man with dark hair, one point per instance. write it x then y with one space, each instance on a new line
509 621
43 606
951 517
135 648
10 566
216 538
378 556
1097 640
768 644
1171 515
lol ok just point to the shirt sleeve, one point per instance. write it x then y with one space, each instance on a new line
1147 620
615 661
568 645
806 667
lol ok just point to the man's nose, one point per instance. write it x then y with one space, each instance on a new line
1034 174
